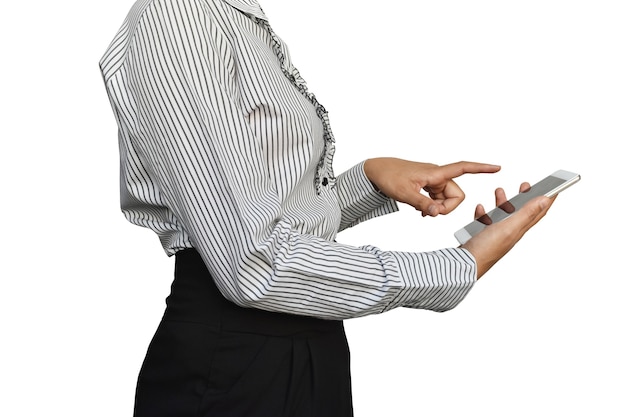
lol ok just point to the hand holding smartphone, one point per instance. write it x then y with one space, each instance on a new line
549 187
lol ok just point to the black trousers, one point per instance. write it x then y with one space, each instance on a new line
210 357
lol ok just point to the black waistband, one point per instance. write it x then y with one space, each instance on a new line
195 298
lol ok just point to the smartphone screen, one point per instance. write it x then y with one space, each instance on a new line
549 186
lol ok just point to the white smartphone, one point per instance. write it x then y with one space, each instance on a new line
549 186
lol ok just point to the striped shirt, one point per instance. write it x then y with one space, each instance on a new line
225 150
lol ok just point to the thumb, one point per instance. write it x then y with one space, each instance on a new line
532 212
426 205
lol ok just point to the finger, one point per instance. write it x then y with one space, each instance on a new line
426 205
479 211
481 216
500 196
450 199
524 187
457 169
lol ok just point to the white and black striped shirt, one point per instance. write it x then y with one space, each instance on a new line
224 149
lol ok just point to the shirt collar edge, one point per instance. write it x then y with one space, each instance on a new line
249 7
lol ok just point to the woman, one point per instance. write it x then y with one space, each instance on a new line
227 156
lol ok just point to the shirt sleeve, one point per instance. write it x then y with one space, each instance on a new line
358 199
197 146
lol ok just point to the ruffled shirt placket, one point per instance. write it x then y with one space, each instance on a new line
324 176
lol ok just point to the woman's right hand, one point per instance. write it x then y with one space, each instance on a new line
496 240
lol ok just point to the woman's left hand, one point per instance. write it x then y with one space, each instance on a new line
404 181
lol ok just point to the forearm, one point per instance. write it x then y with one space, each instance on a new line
301 274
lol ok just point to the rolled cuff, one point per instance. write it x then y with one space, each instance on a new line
359 200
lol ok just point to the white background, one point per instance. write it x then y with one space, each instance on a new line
534 86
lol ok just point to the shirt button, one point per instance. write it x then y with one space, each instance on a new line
325 181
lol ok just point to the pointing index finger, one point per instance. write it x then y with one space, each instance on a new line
457 169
